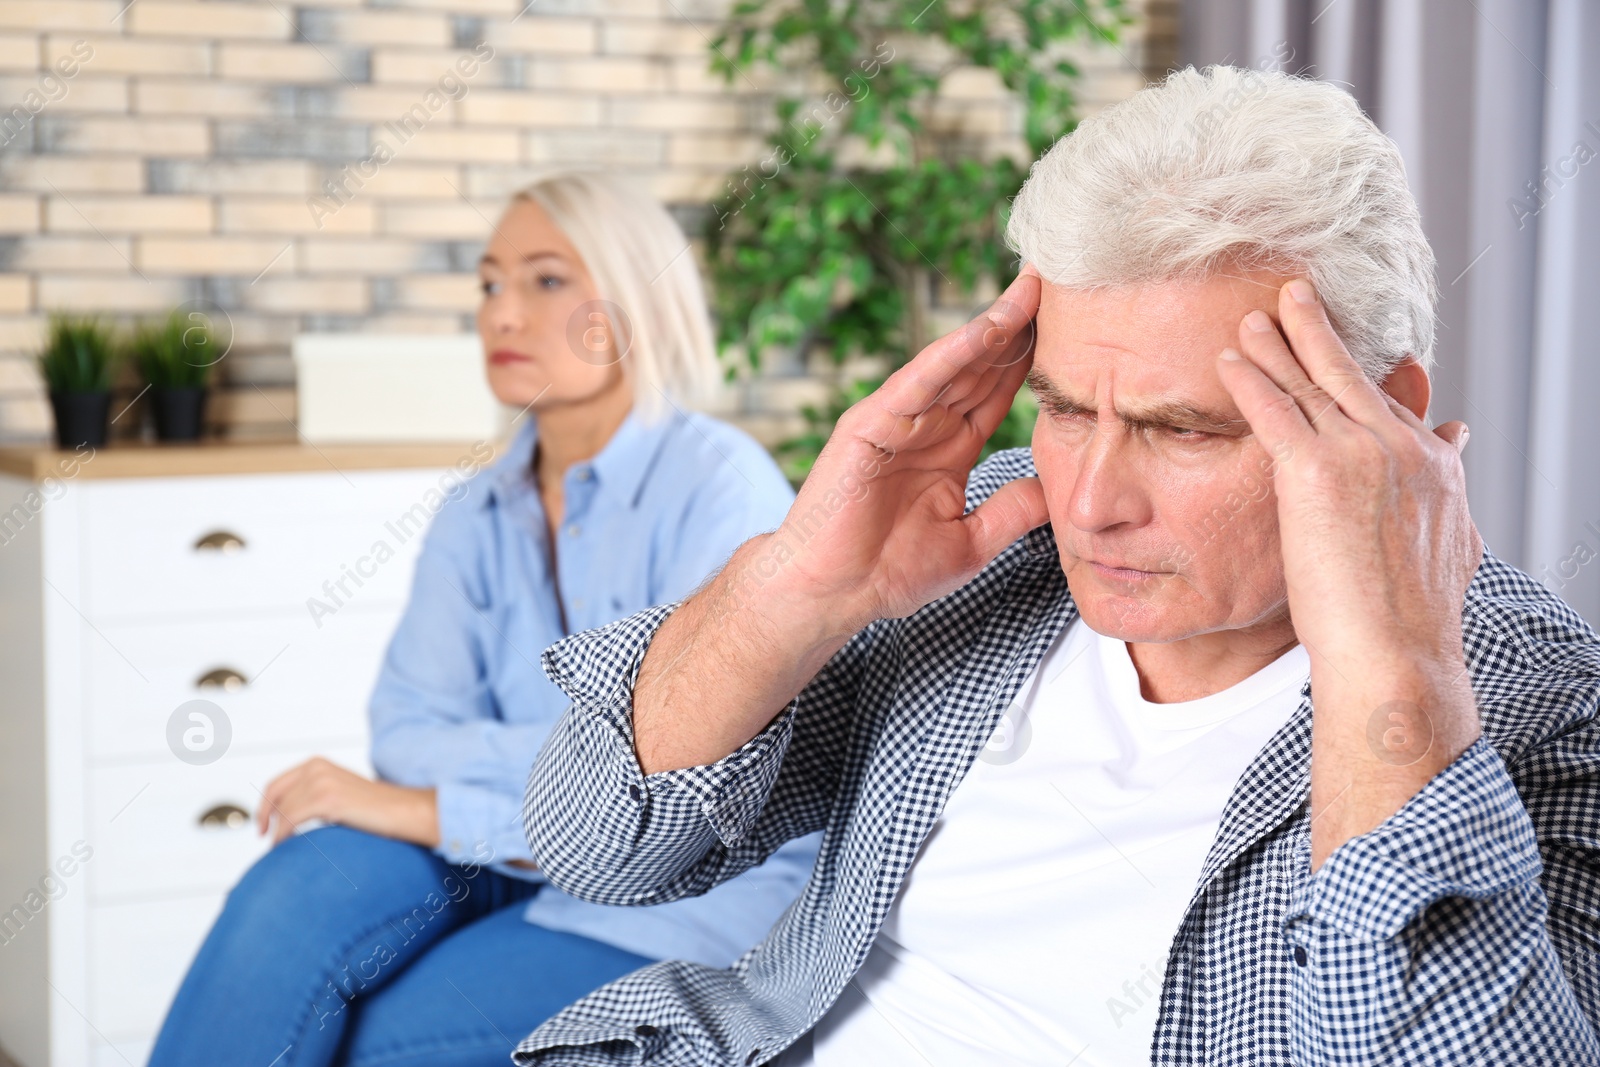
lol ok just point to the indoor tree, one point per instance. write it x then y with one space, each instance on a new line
836 239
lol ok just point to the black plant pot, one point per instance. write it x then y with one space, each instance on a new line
180 412
81 418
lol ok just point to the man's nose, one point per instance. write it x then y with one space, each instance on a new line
1108 490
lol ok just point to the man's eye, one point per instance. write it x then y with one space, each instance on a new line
1183 433
489 288
550 283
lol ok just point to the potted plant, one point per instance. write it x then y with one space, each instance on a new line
174 357
76 366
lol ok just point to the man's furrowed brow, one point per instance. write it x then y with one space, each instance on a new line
1154 415
1045 391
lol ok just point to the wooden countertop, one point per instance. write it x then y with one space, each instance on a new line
136 460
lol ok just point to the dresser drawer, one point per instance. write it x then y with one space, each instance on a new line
201 546
138 955
280 680
129 1052
145 822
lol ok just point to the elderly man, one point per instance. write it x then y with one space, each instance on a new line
1204 731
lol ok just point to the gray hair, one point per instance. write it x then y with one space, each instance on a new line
640 261
1230 168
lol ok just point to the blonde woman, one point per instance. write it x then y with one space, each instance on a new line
414 927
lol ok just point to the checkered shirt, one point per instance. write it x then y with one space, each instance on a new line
1465 929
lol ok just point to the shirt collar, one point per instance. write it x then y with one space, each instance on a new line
1041 540
619 467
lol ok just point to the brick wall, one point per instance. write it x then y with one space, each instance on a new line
181 161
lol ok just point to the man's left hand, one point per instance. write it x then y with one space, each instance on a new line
1378 550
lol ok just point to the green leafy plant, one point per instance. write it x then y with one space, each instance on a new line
867 204
175 353
78 356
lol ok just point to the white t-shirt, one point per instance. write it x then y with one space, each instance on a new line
1034 925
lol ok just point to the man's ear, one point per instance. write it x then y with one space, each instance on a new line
1408 383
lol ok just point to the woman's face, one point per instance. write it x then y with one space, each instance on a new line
547 338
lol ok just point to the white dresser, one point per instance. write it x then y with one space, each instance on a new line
135 582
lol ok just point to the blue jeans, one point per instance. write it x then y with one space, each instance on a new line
341 947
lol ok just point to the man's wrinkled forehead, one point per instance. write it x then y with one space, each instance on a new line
1144 413
1157 344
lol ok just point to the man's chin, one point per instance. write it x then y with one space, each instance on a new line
1148 617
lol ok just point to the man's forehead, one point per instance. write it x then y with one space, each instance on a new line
1157 343
1175 320
1169 408
1180 323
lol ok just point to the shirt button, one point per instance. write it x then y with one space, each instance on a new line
1300 956
577 602
572 529
646 1030
584 474
748 1060
633 791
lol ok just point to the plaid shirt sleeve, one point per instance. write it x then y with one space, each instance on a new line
1443 936
605 832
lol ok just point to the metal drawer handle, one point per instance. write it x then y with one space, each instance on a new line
225 678
219 541
224 817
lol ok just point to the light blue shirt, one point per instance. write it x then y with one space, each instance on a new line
462 704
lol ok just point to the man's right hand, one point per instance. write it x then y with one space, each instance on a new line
878 530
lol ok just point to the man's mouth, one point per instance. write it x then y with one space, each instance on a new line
1123 574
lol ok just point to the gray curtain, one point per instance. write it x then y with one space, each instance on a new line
1496 107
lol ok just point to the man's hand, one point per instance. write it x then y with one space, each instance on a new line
878 530
1378 550
318 789
879 523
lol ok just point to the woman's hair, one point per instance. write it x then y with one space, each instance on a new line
640 261
1229 169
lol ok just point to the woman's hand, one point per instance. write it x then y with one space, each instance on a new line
319 789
